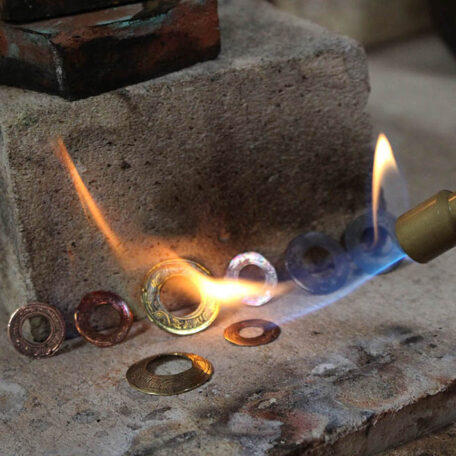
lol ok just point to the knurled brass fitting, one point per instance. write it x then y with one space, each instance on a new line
429 229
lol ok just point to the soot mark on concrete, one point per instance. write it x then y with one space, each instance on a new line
86 417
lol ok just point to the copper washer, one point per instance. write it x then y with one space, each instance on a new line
270 333
37 349
100 298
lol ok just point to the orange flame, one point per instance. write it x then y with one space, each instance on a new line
87 201
133 256
384 163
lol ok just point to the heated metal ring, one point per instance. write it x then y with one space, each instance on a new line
317 263
373 257
139 377
270 333
37 349
198 320
96 299
239 262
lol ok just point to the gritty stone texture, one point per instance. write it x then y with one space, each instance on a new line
394 378
369 21
244 152
391 344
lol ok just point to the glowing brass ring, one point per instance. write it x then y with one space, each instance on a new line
88 304
139 377
37 349
270 333
198 320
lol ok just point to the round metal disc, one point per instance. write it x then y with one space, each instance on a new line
382 257
239 262
139 377
198 320
270 333
323 278
37 349
88 304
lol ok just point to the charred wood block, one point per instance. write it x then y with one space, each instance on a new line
86 54
31 10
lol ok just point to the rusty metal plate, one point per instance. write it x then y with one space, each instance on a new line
90 53
31 10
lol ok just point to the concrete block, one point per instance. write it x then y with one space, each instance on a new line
368 21
244 152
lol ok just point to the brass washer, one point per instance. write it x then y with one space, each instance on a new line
198 320
139 377
37 349
270 333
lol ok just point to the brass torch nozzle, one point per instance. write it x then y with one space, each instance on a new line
429 229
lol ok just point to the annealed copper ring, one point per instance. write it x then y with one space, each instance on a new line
37 349
270 333
139 377
100 298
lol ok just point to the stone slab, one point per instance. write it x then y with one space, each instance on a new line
241 153
371 371
369 21
85 54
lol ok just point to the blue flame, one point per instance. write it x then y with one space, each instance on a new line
356 279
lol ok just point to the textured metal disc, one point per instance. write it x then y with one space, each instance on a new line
270 333
139 377
239 262
323 278
383 256
88 304
198 320
37 349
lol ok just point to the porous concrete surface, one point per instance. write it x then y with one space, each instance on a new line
354 378
371 371
369 21
243 152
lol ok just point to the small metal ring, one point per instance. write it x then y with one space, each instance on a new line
139 377
377 260
96 299
317 280
270 333
198 320
239 262
37 349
